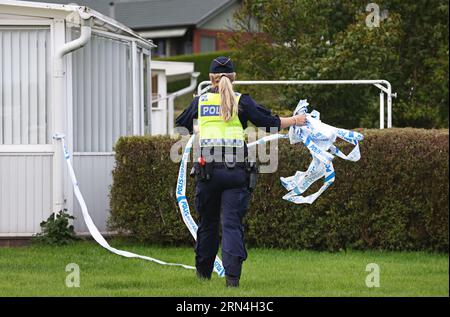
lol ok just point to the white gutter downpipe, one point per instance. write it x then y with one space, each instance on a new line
59 105
171 100
86 32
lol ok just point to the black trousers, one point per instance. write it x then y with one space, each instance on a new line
224 198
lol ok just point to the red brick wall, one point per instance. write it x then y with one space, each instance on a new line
220 36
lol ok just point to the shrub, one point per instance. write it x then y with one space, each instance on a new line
57 230
394 198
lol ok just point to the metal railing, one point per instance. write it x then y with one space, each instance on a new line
384 86
171 100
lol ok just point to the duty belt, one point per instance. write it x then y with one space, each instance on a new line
228 164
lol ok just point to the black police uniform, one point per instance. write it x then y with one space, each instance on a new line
225 196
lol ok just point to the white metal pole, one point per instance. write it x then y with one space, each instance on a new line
170 114
59 101
381 110
149 93
162 104
135 88
389 106
141 88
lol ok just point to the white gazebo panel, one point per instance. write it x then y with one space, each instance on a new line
102 94
25 192
94 175
25 77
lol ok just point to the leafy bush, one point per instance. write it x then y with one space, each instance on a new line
394 198
57 230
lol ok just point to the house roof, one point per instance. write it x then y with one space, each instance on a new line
156 14
168 13
65 11
101 6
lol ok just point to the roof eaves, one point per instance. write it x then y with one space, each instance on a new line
163 27
214 12
64 11
117 25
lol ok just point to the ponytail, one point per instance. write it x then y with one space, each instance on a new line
228 103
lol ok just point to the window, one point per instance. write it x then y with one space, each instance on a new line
207 44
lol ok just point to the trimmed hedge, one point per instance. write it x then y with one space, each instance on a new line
394 198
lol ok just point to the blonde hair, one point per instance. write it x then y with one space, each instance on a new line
228 103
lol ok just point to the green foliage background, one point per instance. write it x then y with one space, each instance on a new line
321 39
395 197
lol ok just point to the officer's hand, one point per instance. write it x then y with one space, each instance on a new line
300 119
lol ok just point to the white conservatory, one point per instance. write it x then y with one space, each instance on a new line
65 69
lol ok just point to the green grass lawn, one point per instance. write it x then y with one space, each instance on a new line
40 271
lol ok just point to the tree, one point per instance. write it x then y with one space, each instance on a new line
322 39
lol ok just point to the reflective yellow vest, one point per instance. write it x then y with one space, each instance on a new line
214 131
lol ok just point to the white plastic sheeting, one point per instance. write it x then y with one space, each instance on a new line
25 85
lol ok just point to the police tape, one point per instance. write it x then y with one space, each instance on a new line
318 137
184 205
88 220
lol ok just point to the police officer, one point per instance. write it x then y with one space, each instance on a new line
222 184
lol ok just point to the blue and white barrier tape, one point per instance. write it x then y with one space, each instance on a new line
184 205
88 220
318 137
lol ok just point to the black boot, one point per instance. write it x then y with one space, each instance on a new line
232 281
202 276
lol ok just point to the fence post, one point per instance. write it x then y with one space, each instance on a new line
381 110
